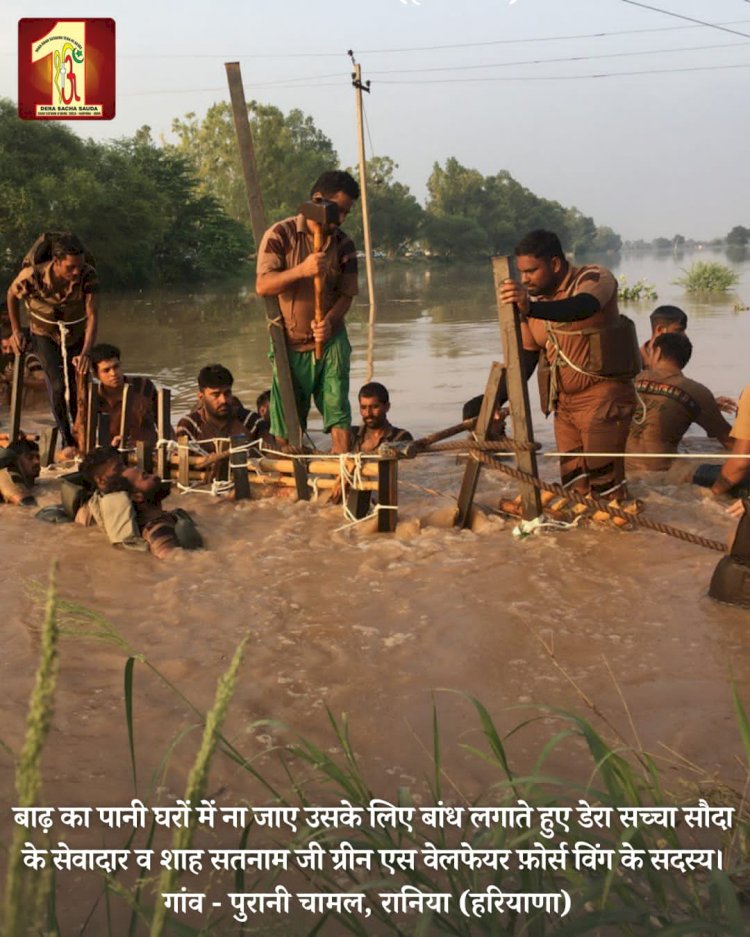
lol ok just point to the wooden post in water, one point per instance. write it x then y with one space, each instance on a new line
388 494
102 429
125 414
47 446
92 413
183 460
518 392
222 466
16 397
144 456
273 313
471 472
238 468
163 419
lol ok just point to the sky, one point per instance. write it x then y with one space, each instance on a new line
628 112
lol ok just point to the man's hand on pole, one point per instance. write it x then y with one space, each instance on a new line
512 292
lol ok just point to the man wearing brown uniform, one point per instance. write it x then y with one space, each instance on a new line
287 266
589 361
139 424
668 403
374 404
61 299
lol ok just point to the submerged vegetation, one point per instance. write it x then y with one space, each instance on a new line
640 291
631 900
706 276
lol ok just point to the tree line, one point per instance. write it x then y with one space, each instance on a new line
177 213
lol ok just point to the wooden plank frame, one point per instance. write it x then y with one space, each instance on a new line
472 470
238 469
47 446
16 396
273 313
388 494
163 420
503 268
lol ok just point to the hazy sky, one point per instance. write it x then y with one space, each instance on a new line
530 86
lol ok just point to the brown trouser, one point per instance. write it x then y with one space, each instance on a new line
594 420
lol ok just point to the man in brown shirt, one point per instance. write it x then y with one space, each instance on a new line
374 404
287 266
60 295
591 354
668 403
139 422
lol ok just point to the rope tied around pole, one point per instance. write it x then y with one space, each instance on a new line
506 444
632 519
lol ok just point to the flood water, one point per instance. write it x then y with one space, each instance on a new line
378 626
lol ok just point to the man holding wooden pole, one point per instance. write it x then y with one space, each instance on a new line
311 266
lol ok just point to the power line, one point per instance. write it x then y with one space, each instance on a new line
458 45
494 78
574 58
689 19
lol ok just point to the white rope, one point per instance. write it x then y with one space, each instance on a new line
712 454
526 528
64 330
373 513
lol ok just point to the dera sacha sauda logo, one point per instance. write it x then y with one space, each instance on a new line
66 69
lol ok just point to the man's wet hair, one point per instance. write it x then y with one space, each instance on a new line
265 397
675 346
103 351
214 375
373 389
24 446
5 329
93 462
540 243
66 244
668 315
333 181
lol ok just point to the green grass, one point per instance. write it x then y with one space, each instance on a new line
639 292
706 276
608 773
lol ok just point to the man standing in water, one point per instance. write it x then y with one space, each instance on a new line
287 266
590 357
61 299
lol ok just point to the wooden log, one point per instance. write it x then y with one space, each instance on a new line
222 447
47 446
238 468
518 392
163 420
273 312
102 429
91 415
471 472
83 433
16 396
464 427
144 456
125 415
387 494
183 463
317 466
358 502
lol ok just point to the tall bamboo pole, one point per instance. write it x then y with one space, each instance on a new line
358 88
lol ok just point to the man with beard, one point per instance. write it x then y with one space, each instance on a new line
374 404
216 416
19 469
589 358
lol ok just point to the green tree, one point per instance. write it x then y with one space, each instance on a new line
738 236
395 214
290 154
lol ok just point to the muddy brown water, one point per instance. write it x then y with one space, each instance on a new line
378 627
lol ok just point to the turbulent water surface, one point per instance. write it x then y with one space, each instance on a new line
378 626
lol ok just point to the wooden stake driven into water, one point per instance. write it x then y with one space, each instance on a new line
518 392
273 313
471 472
16 396
163 419
238 469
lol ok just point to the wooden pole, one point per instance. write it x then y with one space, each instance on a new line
125 412
144 456
163 420
47 446
388 494
358 88
518 392
464 427
183 456
238 469
273 313
102 429
471 472
16 396
92 409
